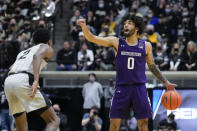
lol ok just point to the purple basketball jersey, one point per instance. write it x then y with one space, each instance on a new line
130 63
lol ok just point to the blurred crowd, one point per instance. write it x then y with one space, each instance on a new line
171 27
18 20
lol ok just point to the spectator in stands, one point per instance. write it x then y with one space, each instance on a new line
169 122
174 58
92 93
90 19
189 58
106 59
12 30
63 118
161 59
153 36
66 58
163 26
175 21
143 9
73 26
111 24
100 12
91 121
42 24
152 18
108 27
106 32
85 57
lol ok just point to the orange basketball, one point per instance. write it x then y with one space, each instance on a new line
171 100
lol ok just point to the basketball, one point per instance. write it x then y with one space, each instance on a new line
171 100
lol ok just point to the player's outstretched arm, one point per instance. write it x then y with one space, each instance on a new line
45 52
154 69
103 41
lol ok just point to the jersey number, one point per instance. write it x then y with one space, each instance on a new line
24 55
130 64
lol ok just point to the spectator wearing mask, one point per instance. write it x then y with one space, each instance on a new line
106 59
91 121
66 58
143 8
189 58
92 93
174 58
100 12
153 36
161 59
85 58
63 118
169 122
109 23
106 32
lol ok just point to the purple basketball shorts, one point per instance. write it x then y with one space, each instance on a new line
131 97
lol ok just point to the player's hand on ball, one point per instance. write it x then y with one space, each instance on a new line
81 22
33 89
170 86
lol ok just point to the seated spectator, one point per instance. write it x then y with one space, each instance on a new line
91 121
80 40
66 58
143 9
73 26
90 19
174 58
100 12
85 58
160 57
106 59
169 122
109 23
153 36
106 32
189 58
63 118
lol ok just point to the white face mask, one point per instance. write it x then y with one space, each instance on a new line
185 14
100 5
169 121
150 15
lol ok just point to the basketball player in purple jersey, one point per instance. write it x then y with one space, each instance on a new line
131 57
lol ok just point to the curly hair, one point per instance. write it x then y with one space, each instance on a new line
41 35
137 20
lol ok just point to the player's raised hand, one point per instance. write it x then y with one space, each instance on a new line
170 86
81 22
33 89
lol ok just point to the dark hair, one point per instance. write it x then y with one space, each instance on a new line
137 20
92 74
41 35
171 115
95 108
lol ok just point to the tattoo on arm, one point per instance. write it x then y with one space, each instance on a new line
153 68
